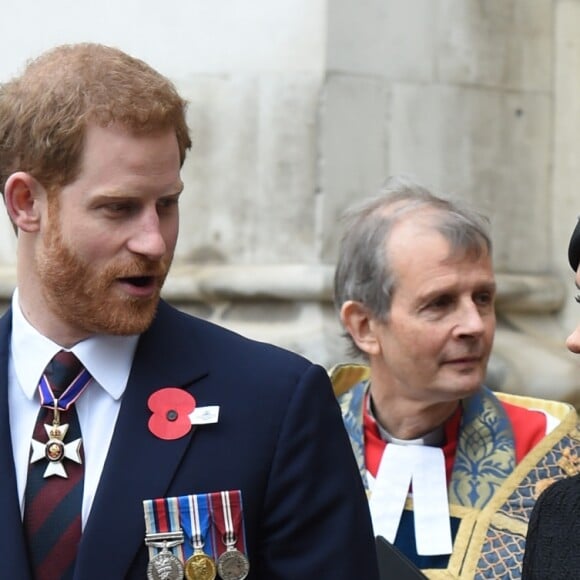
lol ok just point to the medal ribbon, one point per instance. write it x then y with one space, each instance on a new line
195 518
226 508
162 516
69 396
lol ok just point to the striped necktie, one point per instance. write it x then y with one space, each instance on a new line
54 487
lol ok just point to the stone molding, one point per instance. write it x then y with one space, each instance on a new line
537 294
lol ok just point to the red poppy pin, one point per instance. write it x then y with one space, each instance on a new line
171 408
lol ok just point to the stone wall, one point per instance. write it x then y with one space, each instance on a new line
300 107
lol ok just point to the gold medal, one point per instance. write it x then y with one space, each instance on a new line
195 519
200 566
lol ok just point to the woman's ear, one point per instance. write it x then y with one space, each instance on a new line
358 322
22 195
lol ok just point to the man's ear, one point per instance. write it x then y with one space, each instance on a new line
22 195
358 322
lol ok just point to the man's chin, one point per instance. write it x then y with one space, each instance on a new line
128 318
136 324
464 384
468 388
128 329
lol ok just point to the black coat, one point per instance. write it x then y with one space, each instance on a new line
553 539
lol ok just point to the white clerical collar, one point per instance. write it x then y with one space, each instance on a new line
108 358
420 464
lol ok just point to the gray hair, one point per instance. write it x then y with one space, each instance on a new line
364 273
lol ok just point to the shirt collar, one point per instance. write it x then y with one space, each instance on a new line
107 357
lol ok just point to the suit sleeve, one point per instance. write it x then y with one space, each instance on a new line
316 521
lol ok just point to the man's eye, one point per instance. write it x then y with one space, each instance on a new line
484 298
119 207
441 302
577 298
167 203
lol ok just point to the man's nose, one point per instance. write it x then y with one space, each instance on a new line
470 319
148 239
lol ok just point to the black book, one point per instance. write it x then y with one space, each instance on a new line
394 564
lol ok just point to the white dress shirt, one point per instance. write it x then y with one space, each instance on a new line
108 359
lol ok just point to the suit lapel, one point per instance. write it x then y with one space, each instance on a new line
139 465
12 545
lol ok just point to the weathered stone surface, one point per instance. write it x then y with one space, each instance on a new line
383 38
250 180
503 44
354 144
487 147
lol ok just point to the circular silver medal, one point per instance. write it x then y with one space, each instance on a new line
233 565
165 566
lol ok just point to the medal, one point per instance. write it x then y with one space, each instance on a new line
55 450
165 566
200 566
163 532
195 520
232 564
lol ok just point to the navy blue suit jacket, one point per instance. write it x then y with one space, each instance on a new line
279 439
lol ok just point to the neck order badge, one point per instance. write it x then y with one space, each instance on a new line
60 386
53 496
